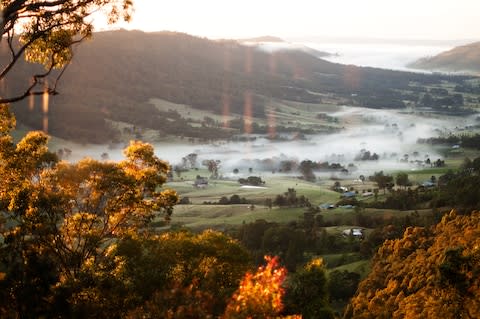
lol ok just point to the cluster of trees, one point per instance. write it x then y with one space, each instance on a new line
213 166
365 155
428 273
383 181
467 88
76 243
406 199
232 200
460 189
290 199
386 99
454 100
465 140
252 181
307 168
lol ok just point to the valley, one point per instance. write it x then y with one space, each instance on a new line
282 152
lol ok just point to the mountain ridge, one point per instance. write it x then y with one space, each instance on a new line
463 59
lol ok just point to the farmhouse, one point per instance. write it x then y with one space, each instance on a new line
201 182
355 232
349 194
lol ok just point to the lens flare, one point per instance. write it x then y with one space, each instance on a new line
45 99
247 112
271 122
225 109
248 60
31 102
226 88
45 123
351 77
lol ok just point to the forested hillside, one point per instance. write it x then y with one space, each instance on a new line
114 75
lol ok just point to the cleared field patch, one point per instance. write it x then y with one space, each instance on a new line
361 267
200 216
186 111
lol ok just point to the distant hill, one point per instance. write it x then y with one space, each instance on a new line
114 75
465 58
274 44
265 38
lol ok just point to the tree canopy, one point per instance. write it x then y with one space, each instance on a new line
59 218
429 273
47 31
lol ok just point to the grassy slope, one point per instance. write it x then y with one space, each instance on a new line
461 58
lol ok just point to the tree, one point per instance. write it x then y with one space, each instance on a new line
49 29
171 266
342 284
212 166
428 273
65 217
383 181
306 168
192 159
251 180
260 294
306 292
402 180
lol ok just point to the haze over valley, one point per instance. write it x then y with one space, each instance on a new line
256 159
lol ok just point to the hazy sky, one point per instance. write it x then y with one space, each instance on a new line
420 19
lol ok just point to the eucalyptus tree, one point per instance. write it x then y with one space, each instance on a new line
44 32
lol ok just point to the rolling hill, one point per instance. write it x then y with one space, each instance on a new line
114 76
464 59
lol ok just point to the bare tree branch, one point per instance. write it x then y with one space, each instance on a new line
37 79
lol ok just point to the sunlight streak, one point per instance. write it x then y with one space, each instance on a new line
269 109
226 88
45 98
248 60
271 122
247 114
45 123
225 108
31 102
351 77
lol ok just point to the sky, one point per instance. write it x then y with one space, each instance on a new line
399 19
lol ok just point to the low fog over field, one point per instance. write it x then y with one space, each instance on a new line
390 135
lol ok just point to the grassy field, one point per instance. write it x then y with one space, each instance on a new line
361 267
274 185
204 216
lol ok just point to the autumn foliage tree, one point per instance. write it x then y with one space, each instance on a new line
429 273
183 275
60 218
260 294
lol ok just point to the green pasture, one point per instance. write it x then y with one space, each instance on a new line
186 111
361 267
202 216
274 185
